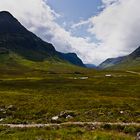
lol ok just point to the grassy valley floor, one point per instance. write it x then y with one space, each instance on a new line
84 96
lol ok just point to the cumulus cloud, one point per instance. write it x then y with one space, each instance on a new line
116 28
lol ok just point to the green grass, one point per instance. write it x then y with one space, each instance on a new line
13 65
69 133
35 92
98 98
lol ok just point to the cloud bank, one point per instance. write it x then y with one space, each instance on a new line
116 28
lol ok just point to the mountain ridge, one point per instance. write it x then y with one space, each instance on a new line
131 61
14 37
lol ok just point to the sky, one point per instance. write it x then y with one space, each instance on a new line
73 11
93 29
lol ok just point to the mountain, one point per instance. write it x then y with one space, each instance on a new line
110 62
72 57
91 66
129 62
16 40
135 54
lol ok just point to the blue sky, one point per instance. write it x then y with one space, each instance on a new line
74 10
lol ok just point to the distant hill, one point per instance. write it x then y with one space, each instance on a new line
17 42
130 62
91 66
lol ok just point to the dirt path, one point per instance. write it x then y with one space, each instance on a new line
133 72
67 123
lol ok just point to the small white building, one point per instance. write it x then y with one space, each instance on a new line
108 75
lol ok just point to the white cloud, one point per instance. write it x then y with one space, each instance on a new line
81 23
108 2
117 27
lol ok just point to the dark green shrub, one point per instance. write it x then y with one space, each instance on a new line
130 129
107 126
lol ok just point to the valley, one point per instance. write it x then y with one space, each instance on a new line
49 95
37 99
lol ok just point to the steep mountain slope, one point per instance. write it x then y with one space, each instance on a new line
16 39
110 62
129 62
